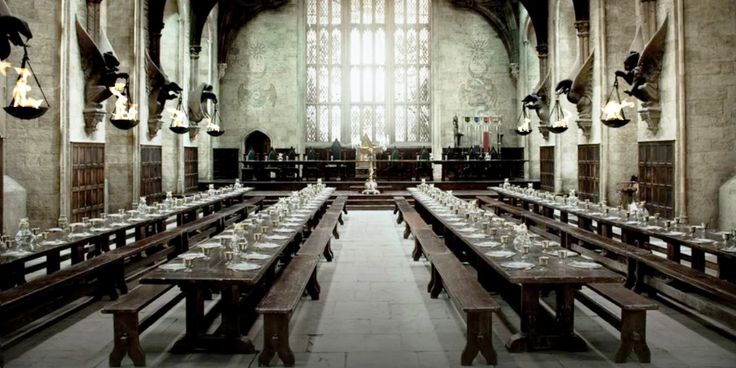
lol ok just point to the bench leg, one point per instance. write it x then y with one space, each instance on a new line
313 287
479 339
400 218
340 220
127 341
633 336
436 288
276 340
328 252
335 233
417 252
407 231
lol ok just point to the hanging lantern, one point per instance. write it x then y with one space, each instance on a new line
179 119
214 127
525 124
125 114
22 106
612 113
559 124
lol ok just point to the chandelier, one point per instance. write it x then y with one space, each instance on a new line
524 127
179 119
214 126
612 113
559 124
125 114
22 105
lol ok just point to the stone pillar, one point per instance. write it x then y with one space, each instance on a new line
583 32
543 53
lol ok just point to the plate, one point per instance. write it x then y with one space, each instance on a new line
489 244
254 256
653 228
557 254
500 254
267 245
585 265
276 237
210 245
702 241
101 229
675 233
192 255
467 229
729 249
286 231
475 236
173 267
16 253
518 265
244 266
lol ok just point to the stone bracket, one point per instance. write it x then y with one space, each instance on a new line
651 116
544 129
93 116
154 125
585 125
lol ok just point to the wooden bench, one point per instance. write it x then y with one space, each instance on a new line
318 242
413 224
631 322
449 274
280 303
128 327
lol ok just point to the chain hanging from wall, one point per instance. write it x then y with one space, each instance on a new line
214 125
179 119
22 105
125 114
559 123
524 126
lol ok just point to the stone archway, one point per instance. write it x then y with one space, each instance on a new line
259 141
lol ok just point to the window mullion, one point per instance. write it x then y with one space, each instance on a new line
389 62
346 130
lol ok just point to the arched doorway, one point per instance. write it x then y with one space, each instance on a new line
259 141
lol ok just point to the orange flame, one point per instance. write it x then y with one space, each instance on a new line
122 111
614 110
21 90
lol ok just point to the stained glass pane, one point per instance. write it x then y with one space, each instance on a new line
367 47
355 124
399 47
311 123
355 84
336 122
312 12
355 12
411 84
411 47
424 84
424 123
380 122
424 11
367 11
324 47
380 84
400 123
336 88
368 84
424 46
399 84
380 50
336 12
399 11
367 122
380 12
355 46
324 120
336 37
311 46
411 124
322 12
411 11
311 85
323 84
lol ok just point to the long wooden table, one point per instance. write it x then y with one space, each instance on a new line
13 268
239 290
634 233
538 331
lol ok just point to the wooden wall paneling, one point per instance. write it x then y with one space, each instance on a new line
191 169
547 168
589 165
151 173
657 176
88 180
225 163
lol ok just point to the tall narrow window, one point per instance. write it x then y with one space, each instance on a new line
375 72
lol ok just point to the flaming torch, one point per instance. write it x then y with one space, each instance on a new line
124 116
612 113
179 119
22 105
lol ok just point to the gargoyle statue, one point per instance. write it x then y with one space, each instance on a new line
100 66
161 89
11 30
579 91
197 105
538 100
642 70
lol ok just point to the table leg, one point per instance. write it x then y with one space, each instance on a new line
698 259
194 320
524 340
565 319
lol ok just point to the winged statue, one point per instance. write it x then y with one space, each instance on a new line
579 87
642 69
538 100
100 66
161 89
12 29
200 95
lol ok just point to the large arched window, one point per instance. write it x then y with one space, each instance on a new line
368 70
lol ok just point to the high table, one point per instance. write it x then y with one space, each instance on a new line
235 287
634 233
13 270
537 331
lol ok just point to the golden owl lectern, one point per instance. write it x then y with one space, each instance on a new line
367 161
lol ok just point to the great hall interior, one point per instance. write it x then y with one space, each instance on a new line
368 183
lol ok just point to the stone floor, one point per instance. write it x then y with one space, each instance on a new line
374 313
